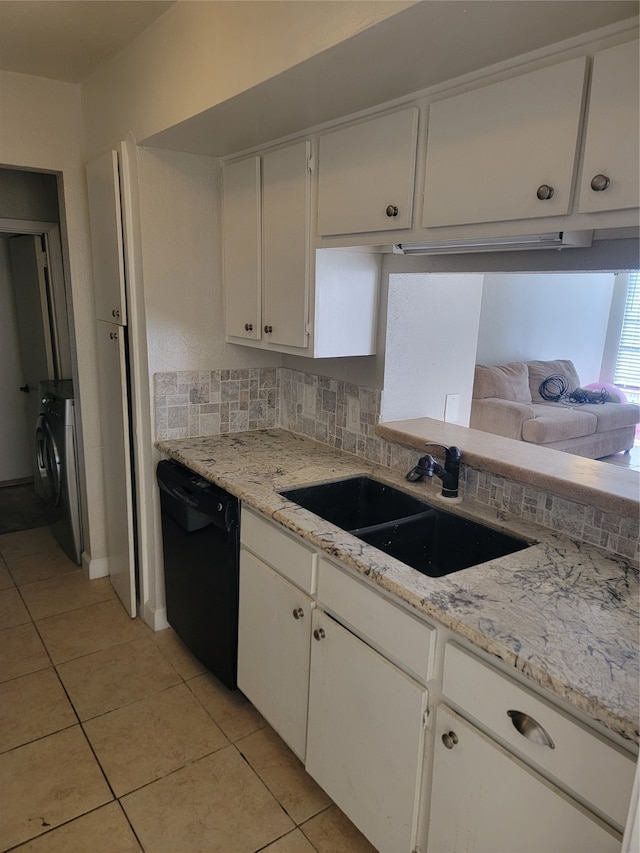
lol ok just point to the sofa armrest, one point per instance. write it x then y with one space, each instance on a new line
500 417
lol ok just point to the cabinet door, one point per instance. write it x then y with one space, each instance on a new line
285 239
105 216
483 799
365 738
611 148
366 174
242 248
273 649
491 151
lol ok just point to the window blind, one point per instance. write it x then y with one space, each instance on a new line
627 370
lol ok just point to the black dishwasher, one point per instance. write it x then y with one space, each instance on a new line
201 541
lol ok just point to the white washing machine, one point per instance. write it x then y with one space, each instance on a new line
57 464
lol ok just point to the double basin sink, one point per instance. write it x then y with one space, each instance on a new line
432 540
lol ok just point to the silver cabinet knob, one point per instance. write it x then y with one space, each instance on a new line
248 327
545 192
531 729
115 313
450 740
298 613
113 336
599 183
268 329
319 634
392 210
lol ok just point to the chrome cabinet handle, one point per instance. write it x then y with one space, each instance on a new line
268 329
531 729
298 613
113 336
248 327
319 634
392 210
450 740
599 183
115 313
545 192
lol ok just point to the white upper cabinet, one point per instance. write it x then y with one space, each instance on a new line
242 247
505 151
366 175
610 174
105 216
285 244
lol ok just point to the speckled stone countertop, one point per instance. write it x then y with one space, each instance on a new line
563 613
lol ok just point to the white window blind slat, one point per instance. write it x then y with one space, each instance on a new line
627 370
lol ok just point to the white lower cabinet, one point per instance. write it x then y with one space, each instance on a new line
273 649
484 800
366 735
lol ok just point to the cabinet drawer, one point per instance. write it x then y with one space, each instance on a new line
581 760
397 634
279 549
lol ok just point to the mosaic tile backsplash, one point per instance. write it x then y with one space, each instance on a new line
344 416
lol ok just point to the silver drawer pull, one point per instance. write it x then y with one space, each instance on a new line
530 729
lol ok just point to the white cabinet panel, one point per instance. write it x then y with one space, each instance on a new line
366 175
491 149
242 248
118 494
613 137
273 649
285 244
483 800
366 738
105 216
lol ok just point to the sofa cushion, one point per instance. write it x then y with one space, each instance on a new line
557 423
612 415
505 381
541 370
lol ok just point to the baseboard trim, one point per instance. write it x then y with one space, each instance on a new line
98 568
156 619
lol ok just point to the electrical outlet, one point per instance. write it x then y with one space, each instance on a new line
309 401
452 408
353 414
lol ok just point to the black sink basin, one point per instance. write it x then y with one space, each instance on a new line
432 540
437 542
356 503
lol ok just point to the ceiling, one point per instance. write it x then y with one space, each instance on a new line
70 39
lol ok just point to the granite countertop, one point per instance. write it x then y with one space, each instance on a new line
563 613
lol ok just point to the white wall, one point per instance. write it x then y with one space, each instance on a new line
199 54
41 127
432 329
546 316
15 435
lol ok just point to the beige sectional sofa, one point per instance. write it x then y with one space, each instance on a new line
506 401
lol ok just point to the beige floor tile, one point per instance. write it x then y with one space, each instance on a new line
46 783
31 707
89 629
177 653
283 774
145 741
293 842
331 830
105 830
24 542
6 581
68 592
30 568
230 709
21 651
12 609
115 677
216 805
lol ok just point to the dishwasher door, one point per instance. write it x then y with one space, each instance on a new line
200 535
